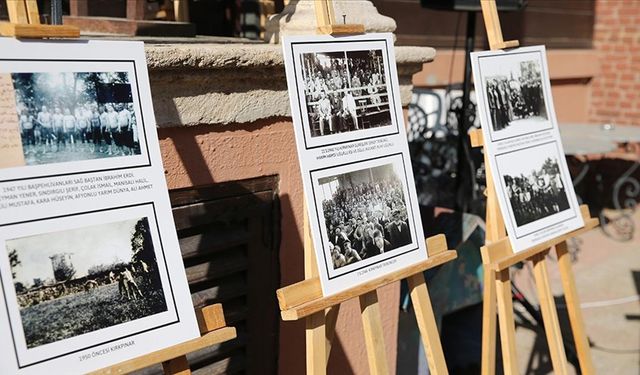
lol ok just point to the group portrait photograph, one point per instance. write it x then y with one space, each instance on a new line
534 186
71 116
365 214
515 96
345 91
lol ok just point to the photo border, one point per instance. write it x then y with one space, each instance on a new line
164 260
390 92
141 126
407 204
503 189
486 100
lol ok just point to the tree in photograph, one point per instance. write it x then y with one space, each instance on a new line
63 269
141 243
13 261
550 167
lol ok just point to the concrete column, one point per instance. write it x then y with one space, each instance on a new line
299 18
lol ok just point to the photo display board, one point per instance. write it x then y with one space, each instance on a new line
354 157
90 268
523 145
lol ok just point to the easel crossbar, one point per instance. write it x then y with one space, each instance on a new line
211 338
503 246
305 309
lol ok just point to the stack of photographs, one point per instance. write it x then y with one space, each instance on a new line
522 142
354 157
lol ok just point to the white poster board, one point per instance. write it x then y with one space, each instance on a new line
90 269
354 157
523 145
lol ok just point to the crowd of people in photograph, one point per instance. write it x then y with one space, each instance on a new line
366 220
106 128
349 94
513 99
537 195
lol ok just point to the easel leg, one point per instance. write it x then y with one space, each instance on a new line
427 324
331 318
488 323
573 308
177 366
507 322
316 344
549 315
373 335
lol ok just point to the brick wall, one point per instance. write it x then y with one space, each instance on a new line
615 95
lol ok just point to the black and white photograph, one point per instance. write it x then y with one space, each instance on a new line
538 193
72 282
516 93
73 116
365 214
534 185
353 153
516 98
522 145
345 91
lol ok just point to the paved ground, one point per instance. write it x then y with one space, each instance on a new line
608 280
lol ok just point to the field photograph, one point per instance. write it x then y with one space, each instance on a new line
82 280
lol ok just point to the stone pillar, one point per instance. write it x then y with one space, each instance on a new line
299 18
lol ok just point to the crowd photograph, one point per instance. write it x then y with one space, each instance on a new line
75 116
345 91
516 97
76 281
365 214
537 194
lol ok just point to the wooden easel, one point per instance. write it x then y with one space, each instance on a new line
305 299
24 22
498 256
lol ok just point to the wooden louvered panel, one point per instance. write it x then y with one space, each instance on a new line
226 263
228 236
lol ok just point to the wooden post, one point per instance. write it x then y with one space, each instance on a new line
492 24
573 308
549 314
24 22
373 334
177 366
17 11
427 324
181 10
507 322
495 230
32 12
315 331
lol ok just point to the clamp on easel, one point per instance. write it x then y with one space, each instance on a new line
326 19
24 22
498 256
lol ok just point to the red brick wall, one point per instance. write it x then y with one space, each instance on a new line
615 96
